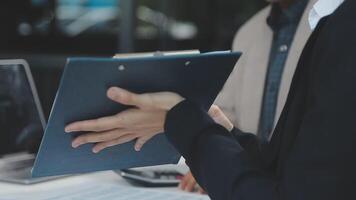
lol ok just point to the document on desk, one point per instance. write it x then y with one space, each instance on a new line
102 192
82 96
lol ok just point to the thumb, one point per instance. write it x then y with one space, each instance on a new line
220 118
148 101
123 96
215 112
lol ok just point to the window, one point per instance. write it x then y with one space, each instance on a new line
81 17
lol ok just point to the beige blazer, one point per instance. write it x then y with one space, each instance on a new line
241 98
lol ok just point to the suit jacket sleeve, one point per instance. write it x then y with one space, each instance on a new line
219 162
226 169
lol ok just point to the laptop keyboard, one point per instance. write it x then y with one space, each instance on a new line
20 165
20 173
16 162
17 169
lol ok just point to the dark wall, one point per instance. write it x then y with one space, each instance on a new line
47 49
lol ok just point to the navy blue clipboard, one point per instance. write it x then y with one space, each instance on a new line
82 96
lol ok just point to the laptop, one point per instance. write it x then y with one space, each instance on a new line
22 123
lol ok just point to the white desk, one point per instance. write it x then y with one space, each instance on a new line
107 177
100 177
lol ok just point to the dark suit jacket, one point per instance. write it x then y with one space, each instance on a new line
312 154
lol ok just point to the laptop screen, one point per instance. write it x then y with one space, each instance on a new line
21 122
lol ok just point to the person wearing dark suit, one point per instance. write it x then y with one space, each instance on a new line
311 154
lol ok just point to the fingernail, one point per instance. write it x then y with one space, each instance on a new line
138 148
95 151
110 94
69 129
75 144
113 92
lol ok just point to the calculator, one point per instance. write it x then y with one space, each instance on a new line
152 178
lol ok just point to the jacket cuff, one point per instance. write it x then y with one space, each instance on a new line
184 123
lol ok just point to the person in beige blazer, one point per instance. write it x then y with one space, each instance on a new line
242 97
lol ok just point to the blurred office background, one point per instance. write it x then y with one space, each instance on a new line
47 32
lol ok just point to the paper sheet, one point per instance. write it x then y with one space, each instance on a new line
99 191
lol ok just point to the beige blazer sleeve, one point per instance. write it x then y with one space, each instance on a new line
231 98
